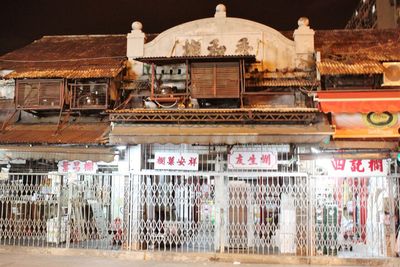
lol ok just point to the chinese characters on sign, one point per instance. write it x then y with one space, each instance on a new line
253 160
176 161
359 166
77 166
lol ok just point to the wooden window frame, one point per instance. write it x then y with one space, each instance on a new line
39 106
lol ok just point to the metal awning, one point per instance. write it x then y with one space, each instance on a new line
218 134
183 59
57 153
77 133
359 101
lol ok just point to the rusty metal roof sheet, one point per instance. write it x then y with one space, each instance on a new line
366 44
284 83
189 110
330 67
88 133
358 51
85 56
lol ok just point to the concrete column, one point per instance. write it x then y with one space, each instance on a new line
132 195
304 45
221 209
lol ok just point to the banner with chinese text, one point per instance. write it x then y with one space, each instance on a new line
367 167
253 160
176 161
77 166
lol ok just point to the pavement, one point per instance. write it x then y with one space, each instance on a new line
42 257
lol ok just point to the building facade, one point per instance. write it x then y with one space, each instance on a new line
220 134
377 14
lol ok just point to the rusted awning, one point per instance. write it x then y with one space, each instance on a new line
76 72
56 153
218 134
362 101
79 133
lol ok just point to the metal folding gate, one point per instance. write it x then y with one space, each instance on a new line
234 213
243 212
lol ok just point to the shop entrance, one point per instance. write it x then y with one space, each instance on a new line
260 212
353 216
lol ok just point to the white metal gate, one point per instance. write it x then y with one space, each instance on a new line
234 213
243 212
354 216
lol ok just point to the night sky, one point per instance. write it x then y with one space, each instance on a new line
23 21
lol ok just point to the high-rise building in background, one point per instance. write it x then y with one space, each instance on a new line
380 14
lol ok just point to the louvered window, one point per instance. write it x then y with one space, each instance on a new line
215 80
39 94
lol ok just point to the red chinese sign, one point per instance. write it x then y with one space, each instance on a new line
358 166
176 161
253 160
77 166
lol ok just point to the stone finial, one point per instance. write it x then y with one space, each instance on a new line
220 11
137 26
303 22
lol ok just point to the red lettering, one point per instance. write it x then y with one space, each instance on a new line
239 159
266 159
356 165
192 161
338 164
88 166
77 166
171 161
181 161
65 166
161 160
252 160
375 165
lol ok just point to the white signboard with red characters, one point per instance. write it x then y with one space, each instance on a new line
176 161
77 166
367 167
267 160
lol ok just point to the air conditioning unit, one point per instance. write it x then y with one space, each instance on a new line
391 74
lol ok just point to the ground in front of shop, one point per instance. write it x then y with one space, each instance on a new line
32 257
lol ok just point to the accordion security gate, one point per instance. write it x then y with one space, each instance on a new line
262 213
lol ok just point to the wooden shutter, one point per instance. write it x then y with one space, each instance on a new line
215 80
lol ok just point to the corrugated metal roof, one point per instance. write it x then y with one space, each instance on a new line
88 133
358 51
284 83
341 68
374 44
103 55
86 56
241 110
78 72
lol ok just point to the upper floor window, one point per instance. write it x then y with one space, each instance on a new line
39 94
89 95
